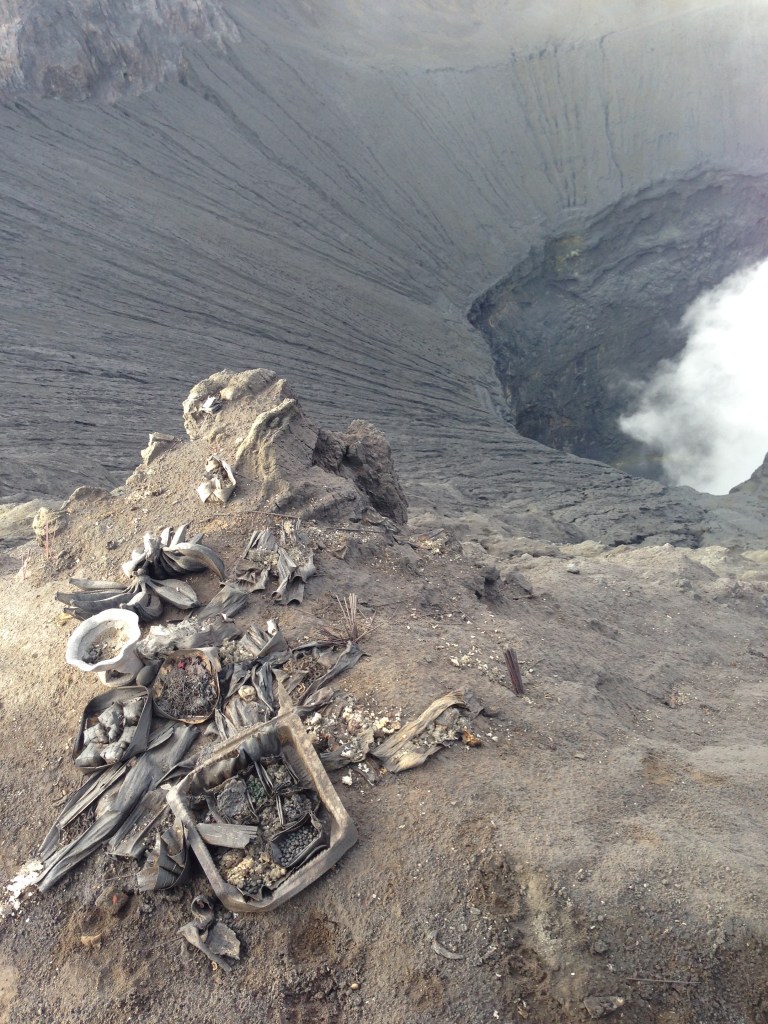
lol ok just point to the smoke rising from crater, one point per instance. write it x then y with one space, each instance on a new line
707 411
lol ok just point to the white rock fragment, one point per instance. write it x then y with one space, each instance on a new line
18 886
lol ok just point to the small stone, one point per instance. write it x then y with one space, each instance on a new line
573 568
354 986
579 756
132 710
128 734
232 800
602 1006
113 901
599 948
90 757
93 926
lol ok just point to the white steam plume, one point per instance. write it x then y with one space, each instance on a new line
707 411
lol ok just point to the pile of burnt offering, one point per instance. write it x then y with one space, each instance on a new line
265 804
212 743
115 725
262 816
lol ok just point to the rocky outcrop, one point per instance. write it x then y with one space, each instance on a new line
757 485
281 461
362 454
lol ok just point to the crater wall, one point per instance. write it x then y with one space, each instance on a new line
327 194
591 313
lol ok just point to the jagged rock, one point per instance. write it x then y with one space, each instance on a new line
363 455
757 485
260 427
329 450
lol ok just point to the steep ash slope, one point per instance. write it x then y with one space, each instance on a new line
327 196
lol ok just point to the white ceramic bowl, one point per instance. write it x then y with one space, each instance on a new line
125 662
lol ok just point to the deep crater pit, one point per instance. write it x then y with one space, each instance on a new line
586 318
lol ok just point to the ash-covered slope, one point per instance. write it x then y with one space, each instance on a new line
326 193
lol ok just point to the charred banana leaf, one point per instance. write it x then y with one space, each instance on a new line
290 560
230 600
166 555
153 570
168 863
89 600
219 943
142 776
191 633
